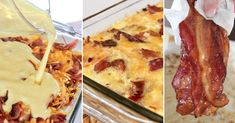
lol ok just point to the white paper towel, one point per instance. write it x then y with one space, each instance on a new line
224 16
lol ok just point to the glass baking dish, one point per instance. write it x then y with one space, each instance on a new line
99 101
65 34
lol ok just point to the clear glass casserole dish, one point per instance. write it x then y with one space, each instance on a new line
14 25
99 101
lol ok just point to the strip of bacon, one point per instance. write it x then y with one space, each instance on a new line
118 33
198 82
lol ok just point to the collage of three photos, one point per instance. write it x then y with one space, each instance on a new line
117 61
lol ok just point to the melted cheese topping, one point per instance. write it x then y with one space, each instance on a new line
17 76
136 65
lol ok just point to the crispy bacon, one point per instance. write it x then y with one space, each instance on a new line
119 64
155 64
58 118
153 9
136 91
62 46
148 53
16 112
3 99
36 43
39 120
109 43
198 82
118 33
102 65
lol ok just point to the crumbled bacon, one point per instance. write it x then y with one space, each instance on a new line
156 64
136 91
146 53
39 120
3 99
18 38
102 65
62 46
39 54
58 118
38 42
106 43
109 43
16 112
118 33
119 64
153 9
56 66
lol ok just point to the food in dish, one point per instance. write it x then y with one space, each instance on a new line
198 82
127 58
23 100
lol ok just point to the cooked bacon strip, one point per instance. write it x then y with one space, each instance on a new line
148 53
136 91
198 82
155 64
153 9
118 33
119 64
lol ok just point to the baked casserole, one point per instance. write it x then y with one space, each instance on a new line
128 57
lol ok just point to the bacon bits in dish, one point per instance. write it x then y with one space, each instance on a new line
128 59
23 100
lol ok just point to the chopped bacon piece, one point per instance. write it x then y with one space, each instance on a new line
118 33
137 90
62 46
38 42
16 112
3 99
153 9
198 82
56 66
102 65
109 43
39 120
119 64
156 64
58 118
39 54
148 53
